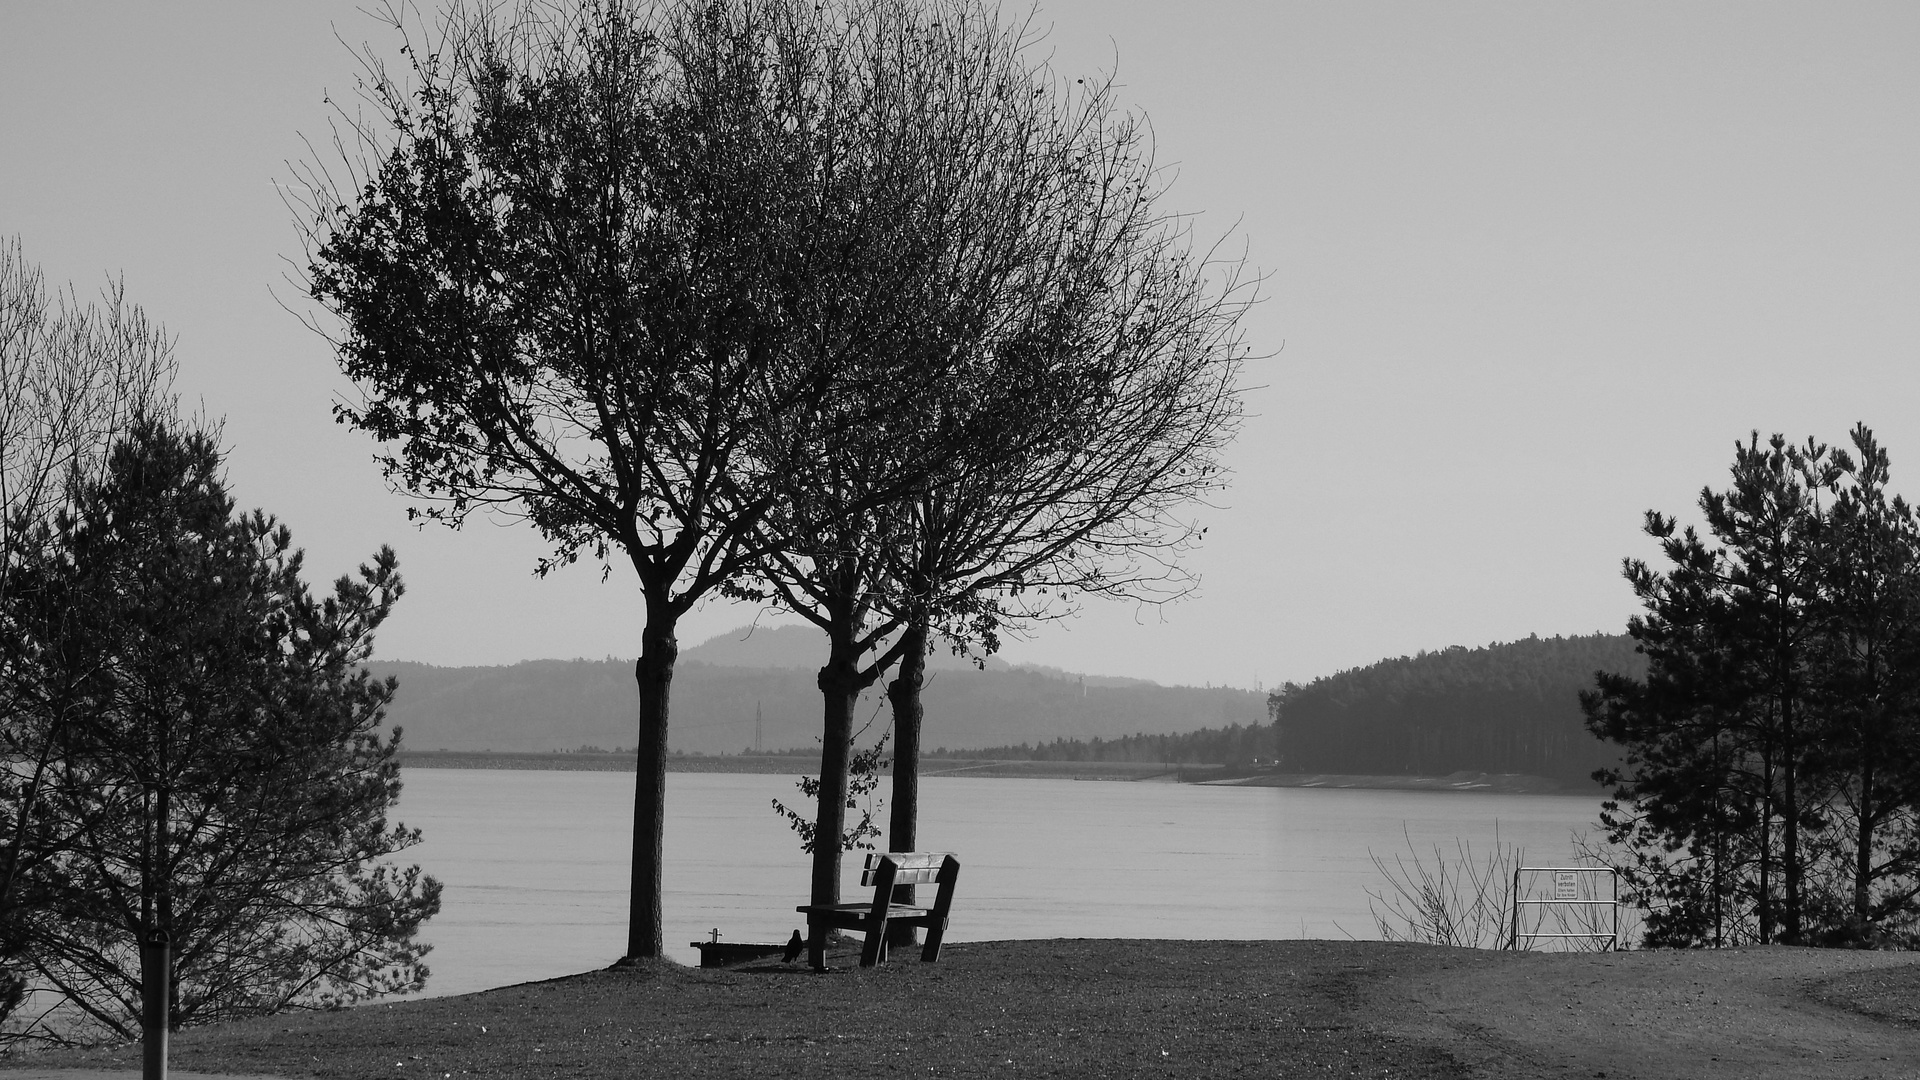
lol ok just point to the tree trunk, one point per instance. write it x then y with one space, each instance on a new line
839 688
156 978
1863 845
156 1006
1719 849
1719 881
903 815
1790 837
1764 906
659 649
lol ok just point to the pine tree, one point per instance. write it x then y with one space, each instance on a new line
1868 688
1772 778
215 753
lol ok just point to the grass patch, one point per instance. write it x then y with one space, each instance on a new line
1047 1008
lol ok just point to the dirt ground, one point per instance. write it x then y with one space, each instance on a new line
1756 1013
1119 1008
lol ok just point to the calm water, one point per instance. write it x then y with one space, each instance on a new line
535 863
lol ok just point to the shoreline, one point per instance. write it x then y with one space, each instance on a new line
1107 771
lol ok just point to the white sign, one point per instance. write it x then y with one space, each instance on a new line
1566 885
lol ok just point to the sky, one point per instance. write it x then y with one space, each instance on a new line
1531 269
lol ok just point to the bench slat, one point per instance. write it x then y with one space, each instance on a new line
908 860
919 875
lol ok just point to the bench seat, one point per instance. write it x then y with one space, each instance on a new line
863 911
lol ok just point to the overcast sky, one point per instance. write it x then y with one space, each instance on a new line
1532 269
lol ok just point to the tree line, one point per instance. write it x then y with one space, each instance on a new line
1771 785
194 793
1510 707
1234 744
1502 708
855 308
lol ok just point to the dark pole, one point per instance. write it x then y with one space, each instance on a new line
156 969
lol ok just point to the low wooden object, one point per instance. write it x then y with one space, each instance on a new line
883 871
715 954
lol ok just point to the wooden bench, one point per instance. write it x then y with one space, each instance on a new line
885 870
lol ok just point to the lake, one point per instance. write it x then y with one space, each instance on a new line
536 863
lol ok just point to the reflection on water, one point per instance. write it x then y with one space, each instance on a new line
536 863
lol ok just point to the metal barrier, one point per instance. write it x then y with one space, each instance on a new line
1566 892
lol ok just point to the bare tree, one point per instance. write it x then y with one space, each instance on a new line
1083 491
1070 373
73 376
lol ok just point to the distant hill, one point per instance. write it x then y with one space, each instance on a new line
797 648
1503 708
802 648
542 705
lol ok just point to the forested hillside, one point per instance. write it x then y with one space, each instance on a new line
545 705
1504 708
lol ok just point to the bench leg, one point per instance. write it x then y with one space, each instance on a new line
875 950
942 903
931 950
902 935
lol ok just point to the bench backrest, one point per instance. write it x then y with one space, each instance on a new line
915 867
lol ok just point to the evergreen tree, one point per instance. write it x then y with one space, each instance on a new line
1770 525
1681 739
1867 688
214 753
1771 779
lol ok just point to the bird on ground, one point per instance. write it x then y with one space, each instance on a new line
794 945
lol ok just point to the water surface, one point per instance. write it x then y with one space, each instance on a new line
536 863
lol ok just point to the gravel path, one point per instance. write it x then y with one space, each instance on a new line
1758 1013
